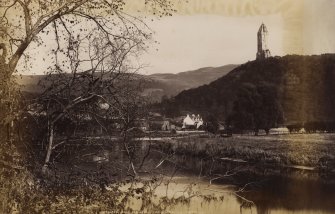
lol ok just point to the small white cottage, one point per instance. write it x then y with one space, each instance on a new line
192 121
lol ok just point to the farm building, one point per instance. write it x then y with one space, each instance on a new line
192 122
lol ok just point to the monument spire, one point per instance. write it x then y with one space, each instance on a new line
262 48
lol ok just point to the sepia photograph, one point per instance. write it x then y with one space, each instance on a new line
167 106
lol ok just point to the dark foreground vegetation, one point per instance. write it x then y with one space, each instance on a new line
85 176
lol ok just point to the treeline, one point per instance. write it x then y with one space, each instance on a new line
312 127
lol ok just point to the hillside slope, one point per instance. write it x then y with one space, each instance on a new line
155 85
305 84
195 78
159 85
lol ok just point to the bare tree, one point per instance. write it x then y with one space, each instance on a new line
69 23
33 17
105 88
27 22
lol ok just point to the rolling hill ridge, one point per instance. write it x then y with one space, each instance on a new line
155 85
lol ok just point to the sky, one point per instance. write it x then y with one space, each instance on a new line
220 32
190 42
211 33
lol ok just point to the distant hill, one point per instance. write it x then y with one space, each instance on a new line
159 85
195 78
306 86
156 85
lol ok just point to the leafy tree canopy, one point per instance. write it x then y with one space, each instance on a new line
256 107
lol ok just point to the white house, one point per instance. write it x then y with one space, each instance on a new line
190 121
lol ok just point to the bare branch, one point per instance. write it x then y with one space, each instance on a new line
4 52
27 17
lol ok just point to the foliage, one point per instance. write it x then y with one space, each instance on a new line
256 107
212 124
15 180
39 198
168 107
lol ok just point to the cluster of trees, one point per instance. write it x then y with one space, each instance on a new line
168 107
256 107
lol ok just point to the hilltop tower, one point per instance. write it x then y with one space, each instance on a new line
262 48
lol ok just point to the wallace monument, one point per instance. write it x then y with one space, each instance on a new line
262 47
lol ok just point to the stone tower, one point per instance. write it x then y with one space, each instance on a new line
262 48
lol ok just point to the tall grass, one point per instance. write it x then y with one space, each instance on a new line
314 150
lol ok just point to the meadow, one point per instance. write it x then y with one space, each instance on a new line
313 151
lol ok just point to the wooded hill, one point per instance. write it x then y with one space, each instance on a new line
305 86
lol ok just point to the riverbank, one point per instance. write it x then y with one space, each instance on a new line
248 165
301 151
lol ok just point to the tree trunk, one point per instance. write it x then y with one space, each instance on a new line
267 131
7 93
49 150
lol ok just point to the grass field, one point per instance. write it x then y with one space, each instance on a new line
311 150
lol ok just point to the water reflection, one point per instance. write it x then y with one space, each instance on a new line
272 190
279 194
225 202
275 195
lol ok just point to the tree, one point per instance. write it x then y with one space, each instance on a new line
242 116
108 89
256 107
70 24
23 22
169 107
212 124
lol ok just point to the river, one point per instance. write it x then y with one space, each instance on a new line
272 195
234 187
